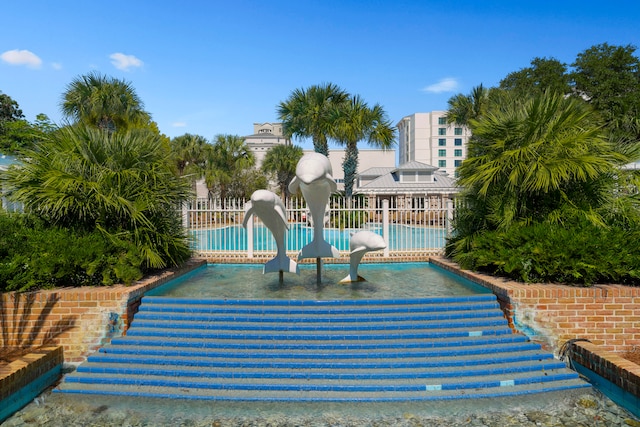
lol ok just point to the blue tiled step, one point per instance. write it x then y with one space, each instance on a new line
352 350
113 353
486 359
268 396
341 311
310 384
162 319
490 337
233 325
329 373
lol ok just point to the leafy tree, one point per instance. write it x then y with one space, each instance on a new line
121 184
245 182
544 74
14 130
9 109
544 159
609 77
104 102
355 121
307 113
227 159
281 161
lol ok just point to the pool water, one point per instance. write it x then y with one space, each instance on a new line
383 281
234 238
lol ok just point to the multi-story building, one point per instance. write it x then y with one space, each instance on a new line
427 138
265 136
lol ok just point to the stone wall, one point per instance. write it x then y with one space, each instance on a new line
606 315
78 319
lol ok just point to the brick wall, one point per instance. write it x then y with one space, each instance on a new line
19 373
606 315
78 319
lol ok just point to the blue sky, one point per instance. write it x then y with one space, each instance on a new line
214 67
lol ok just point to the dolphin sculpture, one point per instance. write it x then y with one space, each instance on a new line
267 206
313 178
359 244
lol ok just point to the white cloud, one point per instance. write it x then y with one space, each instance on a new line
448 84
125 62
21 57
178 124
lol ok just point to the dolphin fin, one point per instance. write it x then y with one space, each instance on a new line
294 185
281 263
319 249
348 279
248 211
359 249
332 184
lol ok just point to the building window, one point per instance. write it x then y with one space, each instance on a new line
457 131
442 120
442 142
442 131
457 153
442 153
457 163
442 163
456 174
457 141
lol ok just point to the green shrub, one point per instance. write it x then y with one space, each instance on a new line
36 256
581 254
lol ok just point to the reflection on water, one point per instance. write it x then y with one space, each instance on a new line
383 281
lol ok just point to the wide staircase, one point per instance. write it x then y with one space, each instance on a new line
347 350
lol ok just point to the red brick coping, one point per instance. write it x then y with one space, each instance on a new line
608 316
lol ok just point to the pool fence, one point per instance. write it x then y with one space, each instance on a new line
410 225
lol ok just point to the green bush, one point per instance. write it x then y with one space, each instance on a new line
34 255
581 254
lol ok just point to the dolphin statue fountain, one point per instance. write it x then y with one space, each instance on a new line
359 244
313 178
267 206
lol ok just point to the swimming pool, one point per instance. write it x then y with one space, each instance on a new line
234 238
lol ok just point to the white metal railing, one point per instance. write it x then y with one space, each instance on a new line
410 225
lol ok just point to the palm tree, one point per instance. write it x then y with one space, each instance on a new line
105 102
122 184
464 108
353 122
189 152
544 159
227 159
307 113
282 160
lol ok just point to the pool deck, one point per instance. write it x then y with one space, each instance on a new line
80 320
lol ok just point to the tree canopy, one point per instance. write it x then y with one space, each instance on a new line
281 161
105 102
308 113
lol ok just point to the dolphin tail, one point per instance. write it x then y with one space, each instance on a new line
319 249
348 279
281 263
